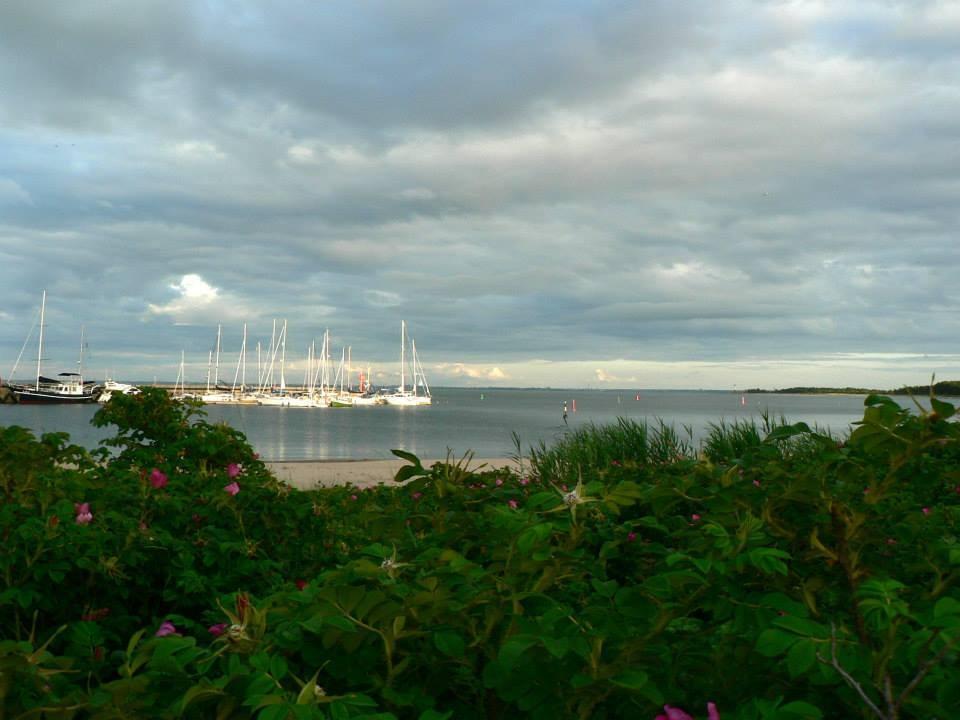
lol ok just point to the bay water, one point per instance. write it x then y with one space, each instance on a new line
464 419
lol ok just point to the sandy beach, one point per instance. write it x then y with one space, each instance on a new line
309 474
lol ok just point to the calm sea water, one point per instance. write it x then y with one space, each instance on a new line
466 419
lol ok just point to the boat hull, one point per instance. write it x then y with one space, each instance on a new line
42 397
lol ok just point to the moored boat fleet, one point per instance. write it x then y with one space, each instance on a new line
324 383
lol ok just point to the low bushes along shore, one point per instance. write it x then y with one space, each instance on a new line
779 575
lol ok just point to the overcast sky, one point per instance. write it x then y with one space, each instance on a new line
585 193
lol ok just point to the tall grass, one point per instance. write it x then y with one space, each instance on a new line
640 444
600 446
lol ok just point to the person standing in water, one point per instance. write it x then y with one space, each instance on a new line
564 412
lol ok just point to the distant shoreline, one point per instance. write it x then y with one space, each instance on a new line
945 388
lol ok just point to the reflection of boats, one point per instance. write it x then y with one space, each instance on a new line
418 382
67 387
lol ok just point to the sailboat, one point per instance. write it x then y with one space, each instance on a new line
67 387
216 396
419 392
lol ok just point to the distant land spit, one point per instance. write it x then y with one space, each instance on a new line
944 388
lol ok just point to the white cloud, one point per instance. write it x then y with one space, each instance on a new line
198 301
197 150
472 372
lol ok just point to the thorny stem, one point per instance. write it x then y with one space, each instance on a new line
847 677
893 704
922 672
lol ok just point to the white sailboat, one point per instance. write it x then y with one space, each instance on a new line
216 396
419 392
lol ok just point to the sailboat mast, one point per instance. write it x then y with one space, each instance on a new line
413 365
243 360
403 360
216 370
43 306
209 364
283 358
80 361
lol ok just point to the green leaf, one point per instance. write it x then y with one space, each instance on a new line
944 409
449 643
605 589
806 628
434 715
774 642
631 679
278 667
799 710
801 657
946 606
408 456
340 623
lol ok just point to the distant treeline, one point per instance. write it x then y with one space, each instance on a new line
944 387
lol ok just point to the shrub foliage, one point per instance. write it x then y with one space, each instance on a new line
782 575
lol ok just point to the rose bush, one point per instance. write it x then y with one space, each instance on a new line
782 576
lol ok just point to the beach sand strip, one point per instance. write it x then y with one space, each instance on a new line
309 474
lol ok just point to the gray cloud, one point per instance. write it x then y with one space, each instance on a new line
698 181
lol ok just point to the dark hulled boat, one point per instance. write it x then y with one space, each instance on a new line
70 389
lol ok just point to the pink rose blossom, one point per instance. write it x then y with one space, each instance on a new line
353 497
925 511
166 628
673 713
631 536
157 479
513 504
498 482
756 483
233 488
526 481
233 470
84 516
218 629
695 517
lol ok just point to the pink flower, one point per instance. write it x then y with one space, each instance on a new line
157 479
756 483
166 628
218 629
631 536
417 495
925 511
499 482
233 470
233 488
301 584
526 481
513 504
695 517
673 713
615 463
353 497
84 516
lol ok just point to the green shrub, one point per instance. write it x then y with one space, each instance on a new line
782 577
